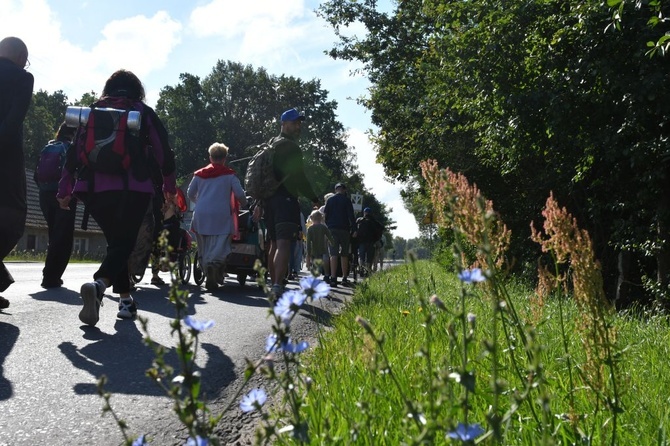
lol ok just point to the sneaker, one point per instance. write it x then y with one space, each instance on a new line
333 282
326 279
91 294
127 308
157 281
4 303
345 282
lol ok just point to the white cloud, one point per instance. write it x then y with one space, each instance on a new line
141 44
226 18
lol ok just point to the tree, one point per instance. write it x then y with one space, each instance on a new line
526 98
185 112
45 114
240 106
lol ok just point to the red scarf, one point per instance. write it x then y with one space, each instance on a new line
213 171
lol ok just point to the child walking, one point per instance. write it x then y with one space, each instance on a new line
318 239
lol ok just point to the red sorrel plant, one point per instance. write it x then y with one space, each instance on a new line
461 208
569 245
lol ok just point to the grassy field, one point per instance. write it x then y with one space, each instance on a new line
399 368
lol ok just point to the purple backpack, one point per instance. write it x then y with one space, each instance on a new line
50 165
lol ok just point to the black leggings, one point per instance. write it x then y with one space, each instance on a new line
119 214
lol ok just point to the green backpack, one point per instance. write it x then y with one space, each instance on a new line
260 182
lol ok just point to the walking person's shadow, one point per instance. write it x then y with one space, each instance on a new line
8 335
124 359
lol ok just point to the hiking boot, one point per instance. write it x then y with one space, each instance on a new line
127 308
91 294
4 303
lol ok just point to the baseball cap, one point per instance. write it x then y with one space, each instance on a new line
338 185
367 210
292 115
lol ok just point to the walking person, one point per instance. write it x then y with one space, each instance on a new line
60 222
282 210
218 195
16 91
297 251
117 201
340 219
369 232
319 239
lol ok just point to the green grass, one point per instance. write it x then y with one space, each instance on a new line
361 397
33 256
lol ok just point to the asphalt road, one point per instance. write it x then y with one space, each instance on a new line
50 362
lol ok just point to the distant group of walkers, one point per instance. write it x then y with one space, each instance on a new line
335 234
114 156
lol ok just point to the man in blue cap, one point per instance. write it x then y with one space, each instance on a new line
282 210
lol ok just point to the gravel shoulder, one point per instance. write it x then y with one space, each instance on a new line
237 428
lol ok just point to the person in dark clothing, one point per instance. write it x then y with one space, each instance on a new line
118 203
369 232
60 222
282 210
16 91
341 221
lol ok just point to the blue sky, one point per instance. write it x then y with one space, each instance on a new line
75 45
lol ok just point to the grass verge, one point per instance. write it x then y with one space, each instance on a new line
387 384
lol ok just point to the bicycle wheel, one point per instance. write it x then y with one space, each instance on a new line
198 270
184 267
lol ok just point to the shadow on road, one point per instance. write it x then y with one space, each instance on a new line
8 335
124 359
62 294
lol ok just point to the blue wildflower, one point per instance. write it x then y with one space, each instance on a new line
271 343
470 276
197 325
315 288
466 432
197 441
288 304
140 441
295 348
253 400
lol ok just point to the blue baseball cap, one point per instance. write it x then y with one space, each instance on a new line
367 210
292 115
